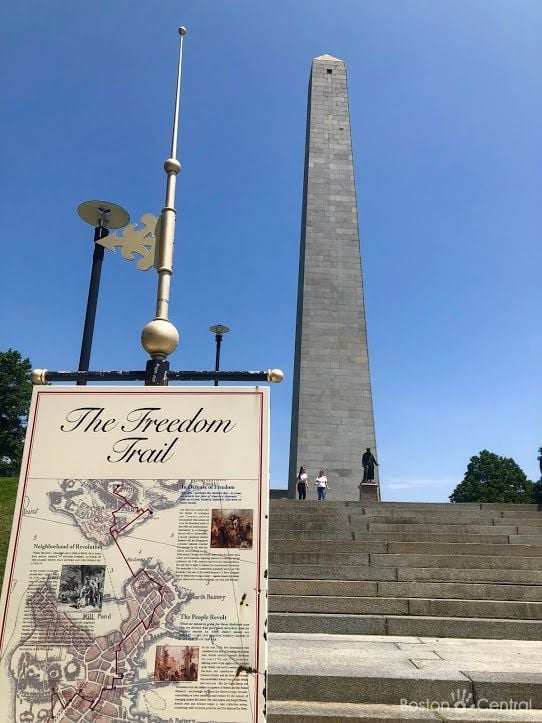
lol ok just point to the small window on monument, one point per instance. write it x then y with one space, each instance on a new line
329 71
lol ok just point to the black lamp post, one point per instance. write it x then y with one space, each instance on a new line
103 216
218 330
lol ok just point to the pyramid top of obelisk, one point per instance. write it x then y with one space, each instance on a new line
329 57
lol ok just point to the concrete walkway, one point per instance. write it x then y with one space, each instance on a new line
408 675
385 654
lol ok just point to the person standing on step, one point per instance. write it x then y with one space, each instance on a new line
302 483
321 484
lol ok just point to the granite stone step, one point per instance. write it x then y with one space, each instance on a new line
480 575
320 557
458 590
400 560
324 535
435 547
331 518
448 513
381 509
321 510
498 526
323 604
339 513
328 572
420 626
525 539
301 528
291 711
446 529
505 506
501 562
528 507
486 519
442 590
360 588
284 504
405 574
397 524
520 521
352 546
318 523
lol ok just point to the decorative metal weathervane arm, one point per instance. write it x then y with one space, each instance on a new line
160 337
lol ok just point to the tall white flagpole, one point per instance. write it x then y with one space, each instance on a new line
160 337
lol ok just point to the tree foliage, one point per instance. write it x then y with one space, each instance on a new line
15 393
491 478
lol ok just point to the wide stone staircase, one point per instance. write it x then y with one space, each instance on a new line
394 570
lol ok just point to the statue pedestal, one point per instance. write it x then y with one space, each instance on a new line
369 492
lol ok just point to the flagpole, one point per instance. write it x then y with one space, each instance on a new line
160 337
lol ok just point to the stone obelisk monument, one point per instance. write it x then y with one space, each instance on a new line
332 408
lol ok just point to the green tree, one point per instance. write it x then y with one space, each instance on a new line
491 478
15 393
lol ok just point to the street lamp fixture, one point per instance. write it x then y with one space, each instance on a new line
103 216
218 330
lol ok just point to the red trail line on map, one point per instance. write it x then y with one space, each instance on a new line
114 535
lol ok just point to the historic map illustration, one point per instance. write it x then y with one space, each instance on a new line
108 603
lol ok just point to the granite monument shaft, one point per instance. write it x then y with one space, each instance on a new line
332 409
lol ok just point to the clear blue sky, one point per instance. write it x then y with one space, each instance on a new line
446 108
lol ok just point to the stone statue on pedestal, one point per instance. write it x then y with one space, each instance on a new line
368 462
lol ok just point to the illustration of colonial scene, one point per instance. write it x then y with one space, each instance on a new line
81 588
175 663
232 528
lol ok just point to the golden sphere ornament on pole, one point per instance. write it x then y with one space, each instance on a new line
159 338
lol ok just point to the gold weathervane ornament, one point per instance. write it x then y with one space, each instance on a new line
133 240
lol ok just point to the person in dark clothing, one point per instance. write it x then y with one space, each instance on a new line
368 462
302 483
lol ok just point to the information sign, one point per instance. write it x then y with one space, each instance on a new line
135 585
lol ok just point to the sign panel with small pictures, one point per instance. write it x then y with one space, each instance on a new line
136 580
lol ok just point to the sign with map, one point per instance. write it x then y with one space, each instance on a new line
136 582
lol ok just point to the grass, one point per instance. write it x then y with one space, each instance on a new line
8 493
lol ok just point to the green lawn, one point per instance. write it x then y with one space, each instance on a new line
8 492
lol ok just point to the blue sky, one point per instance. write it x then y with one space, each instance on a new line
445 101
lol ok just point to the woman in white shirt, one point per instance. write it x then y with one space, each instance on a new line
302 483
321 484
